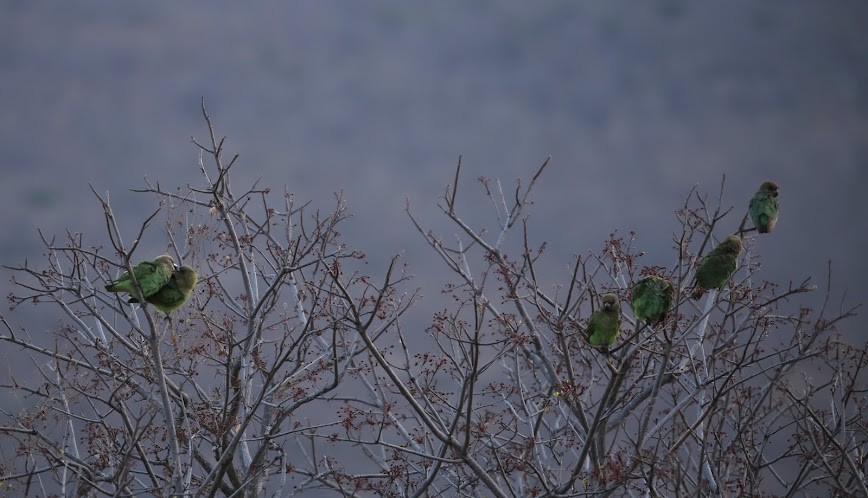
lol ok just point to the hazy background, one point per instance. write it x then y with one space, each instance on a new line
636 102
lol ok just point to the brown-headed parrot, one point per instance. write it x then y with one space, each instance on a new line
652 298
605 323
764 207
175 293
717 266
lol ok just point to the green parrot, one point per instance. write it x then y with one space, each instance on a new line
605 323
151 276
175 293
764 207
717 266
652 298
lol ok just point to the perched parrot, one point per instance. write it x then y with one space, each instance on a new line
151 276
717 266
652 297
175 293
605 323
764 207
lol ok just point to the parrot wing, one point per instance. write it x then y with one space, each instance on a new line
150 276
763 210
175 293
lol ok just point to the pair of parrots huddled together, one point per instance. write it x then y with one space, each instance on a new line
162 283
652 296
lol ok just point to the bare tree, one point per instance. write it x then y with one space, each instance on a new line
512 401
211 401
292 372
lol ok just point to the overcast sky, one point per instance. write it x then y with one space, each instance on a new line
636 102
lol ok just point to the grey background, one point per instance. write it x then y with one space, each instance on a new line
636 102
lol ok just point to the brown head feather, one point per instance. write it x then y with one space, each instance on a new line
610 302
769 188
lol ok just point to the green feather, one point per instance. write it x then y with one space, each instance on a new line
150 275
652 298
717 266
175 293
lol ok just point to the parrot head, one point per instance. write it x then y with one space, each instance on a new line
770 188
609 302
731 244
165 260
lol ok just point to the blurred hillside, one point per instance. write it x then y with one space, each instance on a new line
636 103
